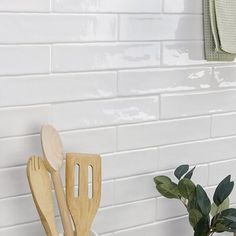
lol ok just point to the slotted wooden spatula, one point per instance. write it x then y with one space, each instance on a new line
83 209
41 189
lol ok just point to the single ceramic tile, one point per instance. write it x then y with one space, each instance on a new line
25 6
225 77
17 210
223 124
13 182
56 88
112 219
152 81
124 164
101 113
135 188
166 228
107 6
16 60
29 229
16 121
191 104
16 151
43 28
169 209
183 53
164 132
195 153
65 58
160 27
219 170
183 6
102 140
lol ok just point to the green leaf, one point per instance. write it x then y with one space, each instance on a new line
169 190
162 180
229 212
194 217
186 188
202 227
217 209
227 218
190 173
223 190
181 170
203 200
220 228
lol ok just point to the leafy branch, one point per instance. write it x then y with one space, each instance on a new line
205 217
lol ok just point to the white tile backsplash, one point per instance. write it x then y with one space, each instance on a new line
17 60
80 57
160 27
46 28
118 6
126 79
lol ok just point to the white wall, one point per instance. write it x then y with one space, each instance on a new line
124 78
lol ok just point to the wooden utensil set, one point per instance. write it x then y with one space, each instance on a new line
77 208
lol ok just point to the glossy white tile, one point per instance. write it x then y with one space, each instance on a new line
104 56
223 124
129 189
160 27
16 121
183 6
225 77
106 6
56 88
102 140
191 104
182 53
25 6
103 113
193 153
163 132
16 60
16 151
113 218
219 170
131 163
152 81
43 28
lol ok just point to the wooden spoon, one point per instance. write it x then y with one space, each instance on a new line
54 155
83 209
41 189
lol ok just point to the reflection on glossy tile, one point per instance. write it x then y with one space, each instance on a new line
104 56
160 27
150 81
183 6
102 113
183 53
225 76
56 88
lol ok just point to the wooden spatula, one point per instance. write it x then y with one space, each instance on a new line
83 209
53 157
41 189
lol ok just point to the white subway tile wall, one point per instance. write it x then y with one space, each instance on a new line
123 78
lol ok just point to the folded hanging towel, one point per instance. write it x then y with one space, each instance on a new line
226 24
213 50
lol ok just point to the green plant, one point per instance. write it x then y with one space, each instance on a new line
205 218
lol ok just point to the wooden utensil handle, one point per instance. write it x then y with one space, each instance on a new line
64 211
79 232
